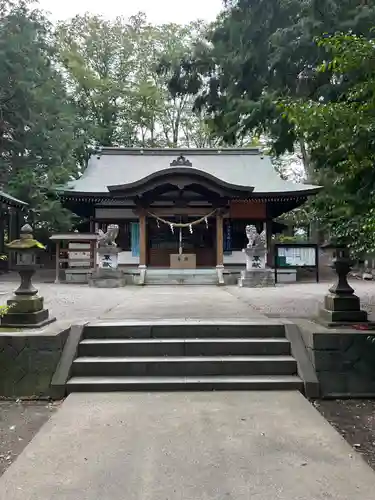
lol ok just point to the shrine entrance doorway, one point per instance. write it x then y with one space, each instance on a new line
197 241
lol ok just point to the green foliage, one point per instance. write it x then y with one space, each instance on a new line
25 244
4 310
290 239
38 130
110 68
341 141
257 52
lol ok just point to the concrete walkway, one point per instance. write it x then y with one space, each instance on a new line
190 446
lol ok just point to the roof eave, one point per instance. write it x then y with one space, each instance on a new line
182 171
251 194
300 193
108 150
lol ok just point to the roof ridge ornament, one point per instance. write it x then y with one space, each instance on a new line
181 161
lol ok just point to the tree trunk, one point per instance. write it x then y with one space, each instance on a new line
307 163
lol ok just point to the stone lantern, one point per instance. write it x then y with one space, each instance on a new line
341 306
26 306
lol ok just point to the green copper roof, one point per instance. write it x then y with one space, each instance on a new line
245 168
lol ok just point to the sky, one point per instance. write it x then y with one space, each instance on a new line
157 11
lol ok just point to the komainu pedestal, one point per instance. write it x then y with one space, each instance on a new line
256 274
107 275
256 278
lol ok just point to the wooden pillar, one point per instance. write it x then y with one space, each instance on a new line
268 228
219 240
142 240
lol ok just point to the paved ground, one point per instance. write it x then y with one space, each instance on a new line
207 446
81 303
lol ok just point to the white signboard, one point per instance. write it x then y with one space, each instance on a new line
298 256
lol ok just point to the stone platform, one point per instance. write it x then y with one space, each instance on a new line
188 446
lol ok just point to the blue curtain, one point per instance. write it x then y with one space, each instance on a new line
135 239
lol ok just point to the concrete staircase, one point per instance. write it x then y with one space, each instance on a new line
183 356
181 277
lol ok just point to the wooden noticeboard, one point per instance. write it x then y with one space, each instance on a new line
296 256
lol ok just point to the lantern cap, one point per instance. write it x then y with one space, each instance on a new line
26 240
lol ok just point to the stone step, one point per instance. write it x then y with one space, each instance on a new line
184 365
199 280
181 277
219 383
198 271
183 347
187 329
179 283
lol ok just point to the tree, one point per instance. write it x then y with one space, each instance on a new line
37 120
341 139
110 69
258 52
98 58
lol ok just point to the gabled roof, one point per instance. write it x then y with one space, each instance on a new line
246 169
11 201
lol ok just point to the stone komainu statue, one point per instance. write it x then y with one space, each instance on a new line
108 239
256 240
256 250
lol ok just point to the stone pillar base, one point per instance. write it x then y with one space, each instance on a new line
342 310
26 312
220 275
256 278
107 278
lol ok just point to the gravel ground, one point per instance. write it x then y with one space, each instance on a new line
355 421
80 302
74 302
19 422
299 300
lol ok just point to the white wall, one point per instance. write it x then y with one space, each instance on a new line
236 257
125 258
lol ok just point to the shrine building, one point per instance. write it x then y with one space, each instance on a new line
194 203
